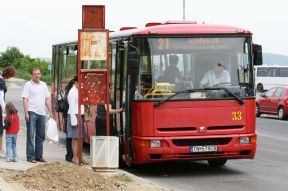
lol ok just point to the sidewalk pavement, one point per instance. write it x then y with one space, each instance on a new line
53 152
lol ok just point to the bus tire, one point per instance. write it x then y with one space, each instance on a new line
217 162
281 113
260 87
258 114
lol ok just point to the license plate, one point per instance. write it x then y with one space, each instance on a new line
206 148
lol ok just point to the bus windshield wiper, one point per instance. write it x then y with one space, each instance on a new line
200 90
239 99
176 93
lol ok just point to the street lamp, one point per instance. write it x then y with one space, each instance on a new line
183 10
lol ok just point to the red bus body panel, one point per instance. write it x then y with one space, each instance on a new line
182 29
177 125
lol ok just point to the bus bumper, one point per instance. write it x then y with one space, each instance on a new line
181 148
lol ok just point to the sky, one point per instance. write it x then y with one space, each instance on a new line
35 25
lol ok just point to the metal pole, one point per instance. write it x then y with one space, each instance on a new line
79 149
183 10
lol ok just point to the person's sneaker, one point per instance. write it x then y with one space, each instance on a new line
2 154
14 160
32 160
41 160
8 160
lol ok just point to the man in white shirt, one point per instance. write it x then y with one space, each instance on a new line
35 97
217 76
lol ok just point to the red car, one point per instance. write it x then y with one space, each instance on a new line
274 101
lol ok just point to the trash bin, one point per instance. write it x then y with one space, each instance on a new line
104 151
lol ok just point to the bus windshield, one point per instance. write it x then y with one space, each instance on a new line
171 65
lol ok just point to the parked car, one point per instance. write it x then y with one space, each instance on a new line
273 101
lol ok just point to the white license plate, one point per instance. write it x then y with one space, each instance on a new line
206 148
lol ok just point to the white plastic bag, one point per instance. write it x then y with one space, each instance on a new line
51 130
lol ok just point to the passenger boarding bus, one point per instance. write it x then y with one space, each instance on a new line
267 77
176 118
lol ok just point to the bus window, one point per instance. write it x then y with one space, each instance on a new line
157 66
112 66
283 72
273 72
92 64
262 71
145 73
71 63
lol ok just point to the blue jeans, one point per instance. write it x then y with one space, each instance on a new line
34 144
11 140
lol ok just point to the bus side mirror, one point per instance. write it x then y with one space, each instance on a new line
257 54
133 62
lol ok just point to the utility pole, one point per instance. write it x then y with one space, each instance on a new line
183 10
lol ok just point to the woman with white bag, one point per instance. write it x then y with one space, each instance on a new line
72 121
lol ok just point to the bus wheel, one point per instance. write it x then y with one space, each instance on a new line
217 162
257 110
260 88
281 113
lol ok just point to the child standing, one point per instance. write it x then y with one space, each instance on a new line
12 126
7 73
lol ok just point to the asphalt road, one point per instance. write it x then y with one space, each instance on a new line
268 171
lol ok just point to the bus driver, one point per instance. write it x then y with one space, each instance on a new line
217 76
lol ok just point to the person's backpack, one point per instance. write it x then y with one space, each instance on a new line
62 104
65 105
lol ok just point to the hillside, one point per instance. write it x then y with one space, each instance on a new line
274 59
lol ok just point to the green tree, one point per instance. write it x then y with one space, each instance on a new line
24 64
9 56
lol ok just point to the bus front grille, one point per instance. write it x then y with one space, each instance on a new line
176 129
197 142
215 128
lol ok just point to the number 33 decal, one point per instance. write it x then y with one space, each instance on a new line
237 116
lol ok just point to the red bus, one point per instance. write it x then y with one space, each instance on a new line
193 116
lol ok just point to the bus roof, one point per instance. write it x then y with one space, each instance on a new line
182 28
66 43
176 28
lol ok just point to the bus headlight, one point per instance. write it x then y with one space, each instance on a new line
155 143
244 140
248 140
